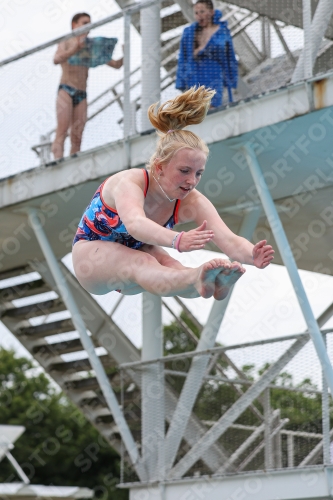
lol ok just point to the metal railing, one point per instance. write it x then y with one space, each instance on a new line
260 71
271 413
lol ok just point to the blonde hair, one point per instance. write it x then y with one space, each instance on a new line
173 116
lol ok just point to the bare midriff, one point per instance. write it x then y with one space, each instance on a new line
75 76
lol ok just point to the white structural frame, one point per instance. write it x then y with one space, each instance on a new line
231 415
199 365
313 35
152 388
289 262
262 385
8 435
127 75
66 295
150 23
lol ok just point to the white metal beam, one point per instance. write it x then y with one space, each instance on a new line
127 75
108 335
312 456
199 364
18 468
289 262
287 484
251 439
268 428
152 388
283 41
87 343
235 411
313 39
150 23
254 453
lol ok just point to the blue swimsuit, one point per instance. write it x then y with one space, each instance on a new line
101 222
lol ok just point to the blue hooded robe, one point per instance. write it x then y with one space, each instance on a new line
215 66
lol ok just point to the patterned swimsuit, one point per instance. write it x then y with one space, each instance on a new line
101 222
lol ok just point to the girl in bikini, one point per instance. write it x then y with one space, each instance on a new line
118 244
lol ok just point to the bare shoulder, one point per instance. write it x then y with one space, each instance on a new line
123 182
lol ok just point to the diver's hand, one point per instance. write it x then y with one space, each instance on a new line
262 254
196 239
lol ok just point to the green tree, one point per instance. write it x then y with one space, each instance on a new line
59 447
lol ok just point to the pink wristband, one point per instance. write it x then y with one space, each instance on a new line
178 241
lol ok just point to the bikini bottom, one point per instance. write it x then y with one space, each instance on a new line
76 95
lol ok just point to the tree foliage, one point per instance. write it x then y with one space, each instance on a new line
297 402
59 447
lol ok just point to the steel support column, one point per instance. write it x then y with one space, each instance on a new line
325 408
307 58
234 457
17 467
66 295
199 364
127 74
265 37
152 388
150 24
319 26
268 430
289 262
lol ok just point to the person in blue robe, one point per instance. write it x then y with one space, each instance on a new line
206 55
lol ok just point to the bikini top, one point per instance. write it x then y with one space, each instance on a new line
101 222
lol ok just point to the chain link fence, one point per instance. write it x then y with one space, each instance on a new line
266 402
268 49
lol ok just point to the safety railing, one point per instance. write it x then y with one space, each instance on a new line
274 48
261 405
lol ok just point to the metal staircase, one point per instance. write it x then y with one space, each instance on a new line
38 327
258 72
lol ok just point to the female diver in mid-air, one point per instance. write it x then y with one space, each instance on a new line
118 244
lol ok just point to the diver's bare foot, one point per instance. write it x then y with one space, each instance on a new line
206 284
226 278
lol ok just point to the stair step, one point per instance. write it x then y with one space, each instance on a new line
98 400
115 435
47 329
171 64
23 290
16 271
34 310
79 364
93 402
173 21
58 348
133 420
85 384
166 3
104 419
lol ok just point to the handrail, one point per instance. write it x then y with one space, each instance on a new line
215 350
113 100
131 9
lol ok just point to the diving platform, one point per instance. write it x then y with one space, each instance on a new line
313 484
240 421
290 130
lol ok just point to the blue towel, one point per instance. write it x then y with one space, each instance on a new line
96 51
215 66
